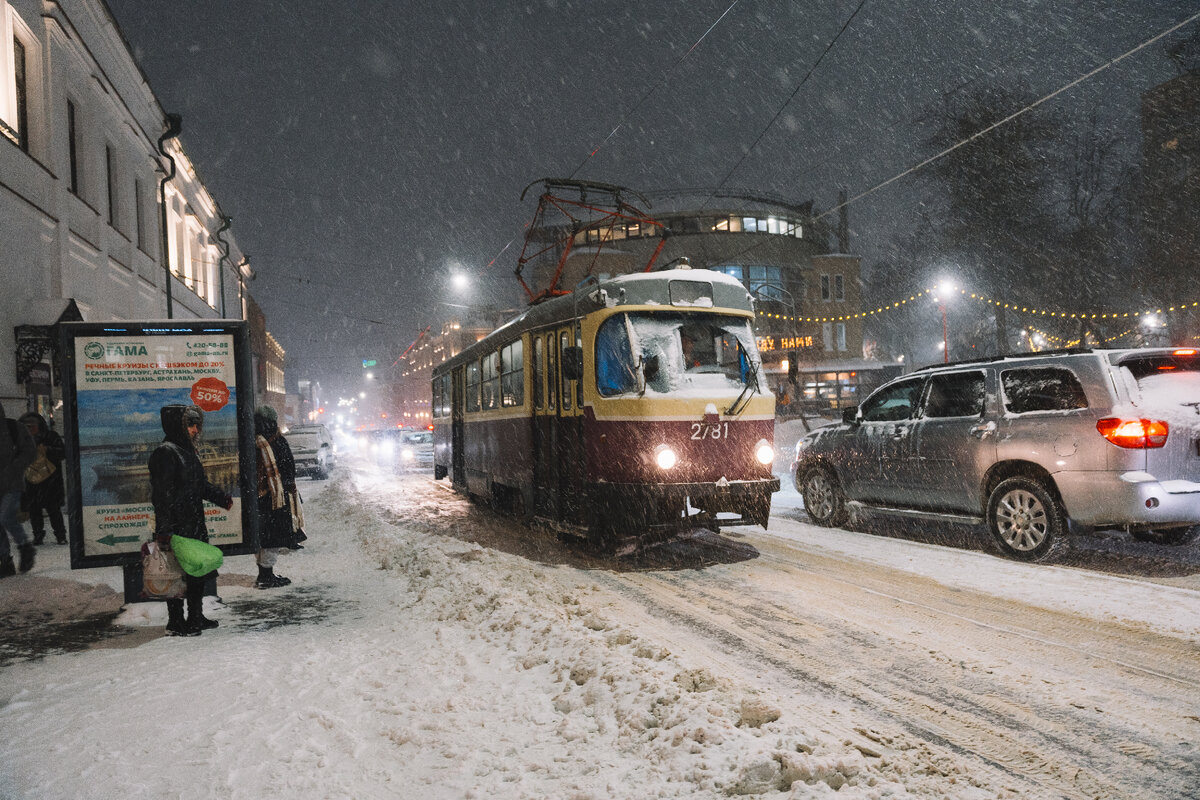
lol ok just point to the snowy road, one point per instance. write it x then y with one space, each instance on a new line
430 648
1059 681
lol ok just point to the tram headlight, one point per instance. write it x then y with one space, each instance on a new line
764 452
665 457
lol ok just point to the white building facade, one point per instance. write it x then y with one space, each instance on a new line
81 179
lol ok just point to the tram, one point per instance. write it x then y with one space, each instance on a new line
633 407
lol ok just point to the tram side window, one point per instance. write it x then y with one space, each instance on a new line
615 370
551 373
490 385
437 397
565 341
538 376
444 382
473 386
512 374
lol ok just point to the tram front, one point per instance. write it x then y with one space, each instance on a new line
678 421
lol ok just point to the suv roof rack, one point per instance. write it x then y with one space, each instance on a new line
1064 351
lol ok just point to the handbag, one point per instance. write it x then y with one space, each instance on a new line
41 468
195 557
162 579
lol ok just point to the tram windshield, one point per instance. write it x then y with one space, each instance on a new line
676 353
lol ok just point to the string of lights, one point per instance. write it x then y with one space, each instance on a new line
1078 315
1015 307
845 317
1061 342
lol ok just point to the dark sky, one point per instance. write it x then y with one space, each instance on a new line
367 149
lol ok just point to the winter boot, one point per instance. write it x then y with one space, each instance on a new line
6 567
60 537
196 618
176 625
27 552
267 579
39 537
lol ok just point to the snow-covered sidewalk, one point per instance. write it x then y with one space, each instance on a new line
403 664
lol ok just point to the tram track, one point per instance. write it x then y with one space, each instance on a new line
1041 702
1008 696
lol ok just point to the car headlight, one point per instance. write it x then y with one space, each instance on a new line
665 457
407 454
764 452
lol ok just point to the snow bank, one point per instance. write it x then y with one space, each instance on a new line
404 663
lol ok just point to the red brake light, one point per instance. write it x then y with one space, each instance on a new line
1134 433
1188 351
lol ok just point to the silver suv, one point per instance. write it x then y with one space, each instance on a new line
1026 444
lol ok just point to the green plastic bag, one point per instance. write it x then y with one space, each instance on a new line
195 557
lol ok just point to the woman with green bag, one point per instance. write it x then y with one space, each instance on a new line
178 489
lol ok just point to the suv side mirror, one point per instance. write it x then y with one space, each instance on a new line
850 415
572 363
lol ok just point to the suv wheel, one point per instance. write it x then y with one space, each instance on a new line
823 498
1025 520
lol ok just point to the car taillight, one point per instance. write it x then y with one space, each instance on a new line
1133 433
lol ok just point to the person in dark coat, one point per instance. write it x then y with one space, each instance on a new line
178 489
48 495
17 452
276 486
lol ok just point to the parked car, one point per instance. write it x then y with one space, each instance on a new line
1030 445
313 449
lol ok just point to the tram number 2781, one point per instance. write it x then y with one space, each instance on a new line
719 430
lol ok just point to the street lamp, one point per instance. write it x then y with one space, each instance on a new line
944 288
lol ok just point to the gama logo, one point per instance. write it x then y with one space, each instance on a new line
97 350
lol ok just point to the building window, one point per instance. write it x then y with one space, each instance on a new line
765 283
73 147
827 335
841 336
826 292
139 210
21 94
110 174
839 289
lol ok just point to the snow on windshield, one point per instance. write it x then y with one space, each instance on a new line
676 353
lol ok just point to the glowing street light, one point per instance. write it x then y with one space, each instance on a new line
944 288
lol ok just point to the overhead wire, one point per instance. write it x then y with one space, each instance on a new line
1010 117
653 89
632 109
791 97
983 132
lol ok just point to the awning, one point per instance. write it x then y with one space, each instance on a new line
39 332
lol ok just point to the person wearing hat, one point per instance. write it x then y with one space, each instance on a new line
178 489
276 487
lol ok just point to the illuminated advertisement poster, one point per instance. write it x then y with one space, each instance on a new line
121 378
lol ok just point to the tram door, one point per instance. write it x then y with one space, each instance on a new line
545 424
570 427
458 473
